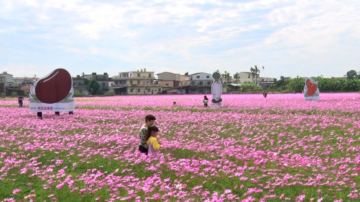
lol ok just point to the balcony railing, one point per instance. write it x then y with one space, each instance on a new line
136 85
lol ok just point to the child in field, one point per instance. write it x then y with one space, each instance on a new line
152 143
149 121
206 100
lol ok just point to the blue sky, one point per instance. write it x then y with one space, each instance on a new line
289 38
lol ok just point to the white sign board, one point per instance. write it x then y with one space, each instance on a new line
53 93
216 90
311 90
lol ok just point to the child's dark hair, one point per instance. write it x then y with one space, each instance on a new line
149 118
151 129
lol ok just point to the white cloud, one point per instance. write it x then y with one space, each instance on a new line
207 34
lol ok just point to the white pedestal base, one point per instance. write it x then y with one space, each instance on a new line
216 105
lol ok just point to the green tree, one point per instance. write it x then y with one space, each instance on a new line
237 77
351 74
93 86
227 76
86 83
255 71
78 94
296 85
250 87
110 93
14 94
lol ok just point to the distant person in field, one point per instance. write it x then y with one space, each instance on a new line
174 103
151 141
265 94
149 121
206 100
20 101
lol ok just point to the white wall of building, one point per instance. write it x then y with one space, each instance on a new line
9 79
247 77
201 76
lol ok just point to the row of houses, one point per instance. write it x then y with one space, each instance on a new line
146 82
8 81
142 82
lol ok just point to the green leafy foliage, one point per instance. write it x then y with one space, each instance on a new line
324 84
250 87
352 74
110 93
78 94
14 94
92 85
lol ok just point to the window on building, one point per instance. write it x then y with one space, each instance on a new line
149 90
131 90
131 82
208 83
167 84
249 76
149 75
138 90
159 89
138 82
192 83
138 74
207 77
103 84
198 77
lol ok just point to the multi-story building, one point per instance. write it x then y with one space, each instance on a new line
2 84
246 77
266 82
102 79
140 82
8 79
198 83
79 85
24 81
170 82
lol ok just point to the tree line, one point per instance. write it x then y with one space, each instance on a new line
350 84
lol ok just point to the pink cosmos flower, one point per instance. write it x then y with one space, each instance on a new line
23 171
29 196
15 191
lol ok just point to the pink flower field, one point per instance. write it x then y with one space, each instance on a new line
254 149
